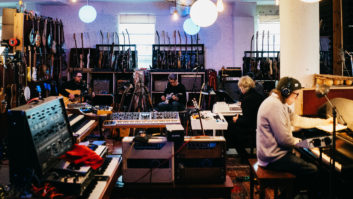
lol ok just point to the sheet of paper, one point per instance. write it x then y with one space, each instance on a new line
329 128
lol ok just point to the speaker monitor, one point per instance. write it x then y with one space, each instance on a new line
191 82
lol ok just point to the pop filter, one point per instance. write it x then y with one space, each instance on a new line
321 90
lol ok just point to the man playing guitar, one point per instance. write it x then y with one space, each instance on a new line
174 97
74 90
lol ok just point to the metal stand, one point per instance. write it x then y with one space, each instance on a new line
333 149
333 152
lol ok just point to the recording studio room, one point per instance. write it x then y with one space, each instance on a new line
176 99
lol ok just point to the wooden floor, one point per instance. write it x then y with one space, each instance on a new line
236 169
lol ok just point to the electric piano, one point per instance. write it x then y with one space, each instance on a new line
104 179
81 126
323 156
343 156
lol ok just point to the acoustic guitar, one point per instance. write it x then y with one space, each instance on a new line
78 97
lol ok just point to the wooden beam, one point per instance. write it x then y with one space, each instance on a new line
337 37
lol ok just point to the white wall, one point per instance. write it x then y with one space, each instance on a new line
243 28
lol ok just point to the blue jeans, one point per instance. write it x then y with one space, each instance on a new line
173 106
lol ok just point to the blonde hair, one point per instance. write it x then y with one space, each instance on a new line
246 83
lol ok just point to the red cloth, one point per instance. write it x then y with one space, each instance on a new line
83 154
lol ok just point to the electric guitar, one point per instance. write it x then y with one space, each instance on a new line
169 97
3 103
78 97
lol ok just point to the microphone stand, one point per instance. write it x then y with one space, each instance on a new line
333 149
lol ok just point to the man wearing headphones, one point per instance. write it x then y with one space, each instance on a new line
274 139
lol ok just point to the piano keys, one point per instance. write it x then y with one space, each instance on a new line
343 154
81 126
105 179
227 109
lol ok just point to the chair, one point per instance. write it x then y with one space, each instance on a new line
270 179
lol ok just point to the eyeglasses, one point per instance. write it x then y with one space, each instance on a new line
78 76
296 94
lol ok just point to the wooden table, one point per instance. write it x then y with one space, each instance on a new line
173 190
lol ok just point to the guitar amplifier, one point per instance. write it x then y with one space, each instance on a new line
101 86
160 85
150 162
201 160
191 82
231 72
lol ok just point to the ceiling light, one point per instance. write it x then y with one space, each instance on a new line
277 2
175 15
220 6
87 13
203 13
190 28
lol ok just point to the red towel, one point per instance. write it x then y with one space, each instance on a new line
83 154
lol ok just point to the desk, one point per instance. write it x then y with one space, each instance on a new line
173 190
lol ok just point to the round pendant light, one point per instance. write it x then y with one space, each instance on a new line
203 13
87 14
190 28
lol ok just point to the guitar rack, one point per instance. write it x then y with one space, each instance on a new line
126 53
181 57
258 64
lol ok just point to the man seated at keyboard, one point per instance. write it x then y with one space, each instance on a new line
274 139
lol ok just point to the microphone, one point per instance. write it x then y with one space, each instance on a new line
321 90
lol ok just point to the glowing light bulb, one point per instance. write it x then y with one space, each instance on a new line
87 14
175 15
190 28
203 13
220 6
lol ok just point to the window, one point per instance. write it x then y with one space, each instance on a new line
268 22
141 29
269 25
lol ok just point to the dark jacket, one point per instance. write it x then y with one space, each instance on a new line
72 85
250 103
178 90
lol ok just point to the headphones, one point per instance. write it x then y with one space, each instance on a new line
286 90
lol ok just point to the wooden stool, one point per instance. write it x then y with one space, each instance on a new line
271 179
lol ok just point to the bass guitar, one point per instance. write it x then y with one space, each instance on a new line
169 97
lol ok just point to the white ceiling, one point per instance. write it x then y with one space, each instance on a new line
13 3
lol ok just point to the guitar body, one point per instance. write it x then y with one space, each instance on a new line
2 101
168 98
78 97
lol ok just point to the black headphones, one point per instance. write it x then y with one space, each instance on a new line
286 90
